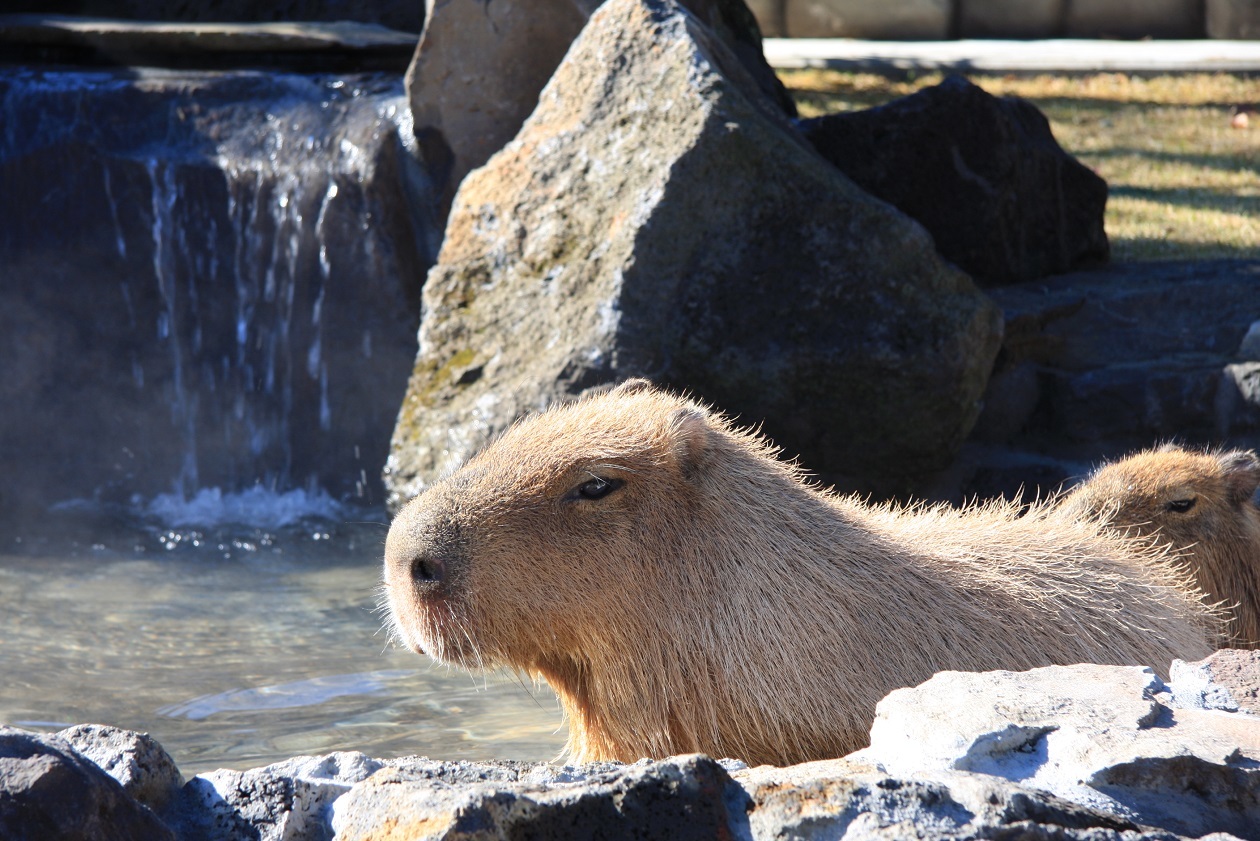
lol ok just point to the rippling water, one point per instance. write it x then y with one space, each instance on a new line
236 646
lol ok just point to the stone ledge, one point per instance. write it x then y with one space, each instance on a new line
1009 56
359 46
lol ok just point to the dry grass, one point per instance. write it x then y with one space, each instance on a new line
1185 184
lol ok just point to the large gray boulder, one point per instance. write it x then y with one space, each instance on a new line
1112 738
983 174
657 216
479 68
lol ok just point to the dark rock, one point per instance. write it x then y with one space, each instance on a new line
49 791
479 68
1129 355
205 280
983 174
659 217
140 765
1096 365
680 798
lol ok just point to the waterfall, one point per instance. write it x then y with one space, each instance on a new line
239 253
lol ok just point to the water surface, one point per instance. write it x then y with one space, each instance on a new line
238 645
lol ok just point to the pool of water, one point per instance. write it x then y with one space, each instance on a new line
237 646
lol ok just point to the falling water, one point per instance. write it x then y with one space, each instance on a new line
243 249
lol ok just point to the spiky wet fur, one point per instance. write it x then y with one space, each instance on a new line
1219 535
720 603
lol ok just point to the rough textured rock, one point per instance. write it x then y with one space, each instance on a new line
1229 680
1102 363
1081 753
140 765
983 174
658 217
479 68
1108 737
206 279
852 800
48 790
681 798
287 801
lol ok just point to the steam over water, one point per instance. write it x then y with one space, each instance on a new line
239 645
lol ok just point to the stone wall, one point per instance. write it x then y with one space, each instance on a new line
944 19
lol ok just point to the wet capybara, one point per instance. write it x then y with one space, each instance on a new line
683 589
1200 504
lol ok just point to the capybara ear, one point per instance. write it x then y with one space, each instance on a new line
1242 474
692 438
632 386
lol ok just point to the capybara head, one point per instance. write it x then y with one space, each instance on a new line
683 589
1200 503
551 533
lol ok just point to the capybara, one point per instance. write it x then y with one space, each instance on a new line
1199 503
682 589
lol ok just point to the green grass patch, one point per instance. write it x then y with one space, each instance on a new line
1185 183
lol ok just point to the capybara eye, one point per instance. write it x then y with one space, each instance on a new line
1181 506
598 488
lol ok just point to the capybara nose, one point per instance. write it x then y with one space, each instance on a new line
428 568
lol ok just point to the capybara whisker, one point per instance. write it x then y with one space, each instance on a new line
684 589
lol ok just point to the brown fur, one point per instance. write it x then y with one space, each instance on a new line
1199 504
718 603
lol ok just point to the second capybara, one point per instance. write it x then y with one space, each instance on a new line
1199 503
683 589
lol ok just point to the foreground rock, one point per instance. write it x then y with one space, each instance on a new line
661 218
49 790
689 797
1111 738
479 68
983 174
1068 752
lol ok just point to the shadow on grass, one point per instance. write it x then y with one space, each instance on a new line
1146 249
1194 198
1225 163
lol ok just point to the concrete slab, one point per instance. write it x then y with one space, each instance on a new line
996 56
